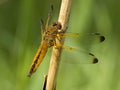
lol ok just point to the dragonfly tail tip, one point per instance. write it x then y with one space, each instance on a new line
28 75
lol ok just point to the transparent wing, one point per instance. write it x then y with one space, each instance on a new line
75 56
80 48
44 26
83 40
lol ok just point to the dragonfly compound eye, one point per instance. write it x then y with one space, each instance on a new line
57 25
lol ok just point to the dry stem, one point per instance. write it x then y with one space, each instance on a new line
55 58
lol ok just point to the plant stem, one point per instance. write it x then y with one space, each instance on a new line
56 53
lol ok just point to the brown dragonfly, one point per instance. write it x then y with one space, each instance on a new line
49 36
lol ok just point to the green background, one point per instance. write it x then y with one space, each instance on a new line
20 37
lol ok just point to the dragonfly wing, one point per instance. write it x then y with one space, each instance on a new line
38 58
84 40
75 56
82 43
49 17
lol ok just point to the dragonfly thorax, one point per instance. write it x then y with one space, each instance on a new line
51 34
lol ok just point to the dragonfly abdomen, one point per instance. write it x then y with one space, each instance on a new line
38 58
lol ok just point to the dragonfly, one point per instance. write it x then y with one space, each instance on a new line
49 36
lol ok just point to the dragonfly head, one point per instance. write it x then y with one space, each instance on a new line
57 25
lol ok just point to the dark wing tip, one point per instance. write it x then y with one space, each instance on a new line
91 54
102 38
95 60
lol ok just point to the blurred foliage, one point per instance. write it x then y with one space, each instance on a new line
20 37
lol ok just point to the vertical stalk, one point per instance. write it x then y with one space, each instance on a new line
56 53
